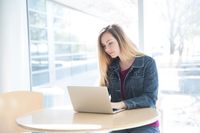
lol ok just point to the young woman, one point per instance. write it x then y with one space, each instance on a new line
130 76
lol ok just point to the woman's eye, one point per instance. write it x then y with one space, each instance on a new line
103 46
110 43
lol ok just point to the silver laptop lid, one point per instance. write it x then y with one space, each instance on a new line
90 99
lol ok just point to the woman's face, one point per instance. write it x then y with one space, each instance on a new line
110 45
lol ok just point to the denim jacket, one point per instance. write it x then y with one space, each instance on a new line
141 83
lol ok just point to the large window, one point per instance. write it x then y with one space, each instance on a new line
63 38
63 41
172 38
38 39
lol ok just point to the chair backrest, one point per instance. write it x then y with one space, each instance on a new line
14 104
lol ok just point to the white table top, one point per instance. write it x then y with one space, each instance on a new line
70 121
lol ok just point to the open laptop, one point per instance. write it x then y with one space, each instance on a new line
91 99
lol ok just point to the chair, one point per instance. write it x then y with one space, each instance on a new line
14 104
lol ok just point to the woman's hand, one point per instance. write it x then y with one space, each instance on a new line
118 105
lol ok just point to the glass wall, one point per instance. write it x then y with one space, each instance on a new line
172 38
38 41
63 42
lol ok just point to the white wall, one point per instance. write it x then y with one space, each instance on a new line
14 56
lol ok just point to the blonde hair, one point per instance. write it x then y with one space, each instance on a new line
128 50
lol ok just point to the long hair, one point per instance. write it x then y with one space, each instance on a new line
128 50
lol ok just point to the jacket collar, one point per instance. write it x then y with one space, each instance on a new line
138 63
